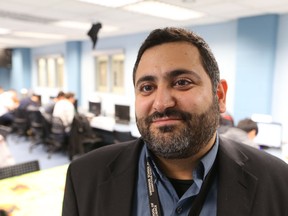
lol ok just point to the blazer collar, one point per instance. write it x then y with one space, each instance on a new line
116 194
236 185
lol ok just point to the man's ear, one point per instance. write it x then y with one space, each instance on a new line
221 94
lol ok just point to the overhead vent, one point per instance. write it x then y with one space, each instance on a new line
25 17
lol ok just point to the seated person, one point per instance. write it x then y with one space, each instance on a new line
8 103
245 131
65 110
30 102
226 121
48 108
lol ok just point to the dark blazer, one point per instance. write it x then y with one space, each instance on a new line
250 182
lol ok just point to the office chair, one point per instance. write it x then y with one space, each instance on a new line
122 136
20 123
36 127
82 138
4 130
19 169
57 137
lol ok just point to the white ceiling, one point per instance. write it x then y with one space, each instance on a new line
37 16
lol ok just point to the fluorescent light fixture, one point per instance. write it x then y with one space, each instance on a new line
83 25
4 31
163 10
73 24
106 28
39 35
111 3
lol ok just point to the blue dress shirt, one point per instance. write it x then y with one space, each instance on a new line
171 204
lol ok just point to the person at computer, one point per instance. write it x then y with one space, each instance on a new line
65 110
245 132
9 101
49 107
179 165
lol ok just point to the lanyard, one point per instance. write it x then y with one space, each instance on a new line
154 203
198 202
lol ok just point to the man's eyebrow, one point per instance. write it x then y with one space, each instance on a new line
169 75
145 79
179 72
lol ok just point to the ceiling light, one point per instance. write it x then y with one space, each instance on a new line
163 10
82 25
111 3
39 35
4 31
72 24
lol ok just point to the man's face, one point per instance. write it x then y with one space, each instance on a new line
176 113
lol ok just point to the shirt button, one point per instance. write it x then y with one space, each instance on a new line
179 210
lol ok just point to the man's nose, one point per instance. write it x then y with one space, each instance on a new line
163 100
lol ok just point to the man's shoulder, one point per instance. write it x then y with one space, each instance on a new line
126 151
252 158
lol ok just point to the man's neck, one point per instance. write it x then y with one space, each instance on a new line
182 168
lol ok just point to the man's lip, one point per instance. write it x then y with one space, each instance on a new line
166 120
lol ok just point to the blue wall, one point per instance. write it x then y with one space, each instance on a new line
5 82
73 67
256 49
21 71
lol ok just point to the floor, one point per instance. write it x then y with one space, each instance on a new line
19 148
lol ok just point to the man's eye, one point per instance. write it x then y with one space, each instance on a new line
146 88
182 82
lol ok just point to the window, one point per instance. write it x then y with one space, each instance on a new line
110 72
50 72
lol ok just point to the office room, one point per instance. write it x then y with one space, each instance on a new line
248 39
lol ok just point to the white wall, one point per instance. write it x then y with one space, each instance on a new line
280 91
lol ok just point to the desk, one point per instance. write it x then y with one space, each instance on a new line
34 194
108 124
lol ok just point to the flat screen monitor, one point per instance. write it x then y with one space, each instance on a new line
95 108
122 114
5 58
269 134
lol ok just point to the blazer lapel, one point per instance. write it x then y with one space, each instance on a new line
236 185
116 194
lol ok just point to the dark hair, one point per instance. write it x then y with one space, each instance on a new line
247 125
171 34
60 94
69 95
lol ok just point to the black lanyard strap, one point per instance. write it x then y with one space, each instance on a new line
198 202
154 204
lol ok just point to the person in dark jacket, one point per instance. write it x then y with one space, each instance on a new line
179 165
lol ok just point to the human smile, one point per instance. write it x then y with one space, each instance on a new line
165 121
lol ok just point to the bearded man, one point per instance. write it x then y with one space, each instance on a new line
179 165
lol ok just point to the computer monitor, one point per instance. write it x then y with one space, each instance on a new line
269 134
122 114
95 108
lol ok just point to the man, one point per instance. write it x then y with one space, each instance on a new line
48 108
245 132
179 166
65 110
8 103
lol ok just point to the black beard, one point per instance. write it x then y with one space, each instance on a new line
178 142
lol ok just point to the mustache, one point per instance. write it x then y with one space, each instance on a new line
168 113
